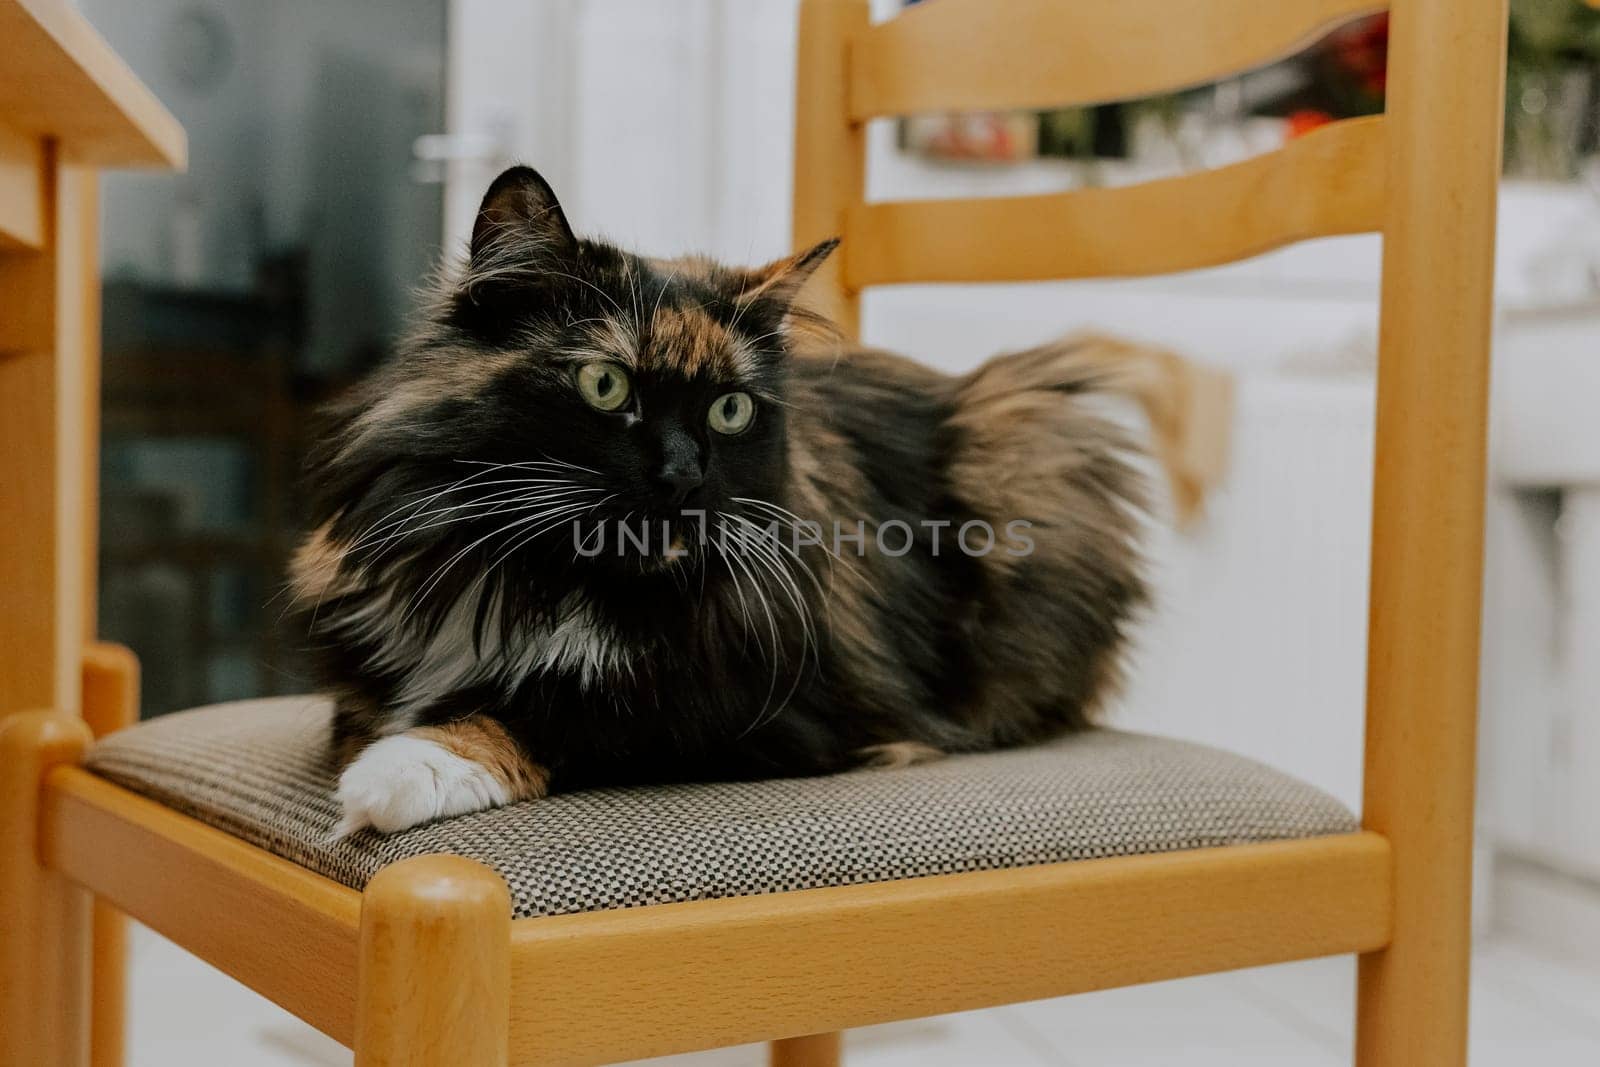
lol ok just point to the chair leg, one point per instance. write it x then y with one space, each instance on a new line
110 703
434 973
813 1050
1411 1003
1412 996
108 987
44 955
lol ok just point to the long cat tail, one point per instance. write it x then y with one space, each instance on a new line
1189 406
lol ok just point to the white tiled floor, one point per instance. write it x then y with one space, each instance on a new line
1529 1009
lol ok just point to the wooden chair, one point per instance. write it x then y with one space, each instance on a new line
425 967
68 106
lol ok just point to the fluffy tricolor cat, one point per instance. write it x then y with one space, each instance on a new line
607 519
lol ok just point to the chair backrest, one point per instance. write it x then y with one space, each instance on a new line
950 55
1424 174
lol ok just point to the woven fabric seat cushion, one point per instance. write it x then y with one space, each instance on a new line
257 769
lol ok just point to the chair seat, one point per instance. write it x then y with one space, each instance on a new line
258 770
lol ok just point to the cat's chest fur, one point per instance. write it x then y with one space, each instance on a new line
575 642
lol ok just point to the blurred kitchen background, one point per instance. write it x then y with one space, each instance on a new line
339 148
241 295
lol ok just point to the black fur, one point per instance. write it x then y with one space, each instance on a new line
421 615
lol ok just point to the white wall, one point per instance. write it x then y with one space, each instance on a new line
664 126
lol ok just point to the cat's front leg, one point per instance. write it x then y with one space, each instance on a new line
435 772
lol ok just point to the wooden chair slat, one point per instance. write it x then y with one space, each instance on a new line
1328 182
979 56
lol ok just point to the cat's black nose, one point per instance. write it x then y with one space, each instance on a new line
680 472
677 479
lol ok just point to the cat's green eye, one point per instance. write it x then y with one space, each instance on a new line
604 385
731 413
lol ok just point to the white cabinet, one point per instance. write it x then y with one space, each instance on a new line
1540 756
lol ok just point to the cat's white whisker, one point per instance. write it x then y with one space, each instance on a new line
773 564
519 491
789 551
476 277
525 464
443 568
663 292
772 630
514 505
512 548
345 552
412 509
758 541
409 501
764 337
738 589
633 285
797 523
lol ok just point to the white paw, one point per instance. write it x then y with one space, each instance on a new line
399 782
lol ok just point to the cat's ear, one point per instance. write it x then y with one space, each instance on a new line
520 208
782 279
